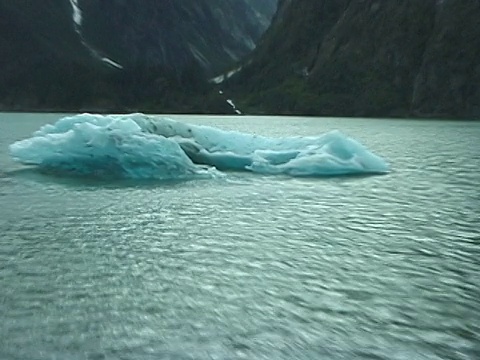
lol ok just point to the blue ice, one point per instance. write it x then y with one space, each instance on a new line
138 146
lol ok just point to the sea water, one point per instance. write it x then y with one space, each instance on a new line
248 265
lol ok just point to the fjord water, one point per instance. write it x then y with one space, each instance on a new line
248 266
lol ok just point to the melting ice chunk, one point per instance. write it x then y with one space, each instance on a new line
105 147
139 146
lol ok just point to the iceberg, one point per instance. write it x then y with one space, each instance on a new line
105 147
137 146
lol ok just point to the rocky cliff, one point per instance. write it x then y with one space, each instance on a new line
121 55
175 34
381 58
367 58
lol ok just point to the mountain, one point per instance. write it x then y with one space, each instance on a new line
175 34
387 58
376 58
121 55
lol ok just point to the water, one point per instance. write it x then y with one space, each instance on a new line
249 267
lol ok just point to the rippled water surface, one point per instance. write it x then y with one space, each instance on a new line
249 266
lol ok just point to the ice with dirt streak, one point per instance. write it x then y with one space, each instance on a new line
137 146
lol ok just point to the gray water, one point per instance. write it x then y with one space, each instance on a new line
250 266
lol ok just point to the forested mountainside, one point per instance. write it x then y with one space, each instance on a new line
121 55
384 58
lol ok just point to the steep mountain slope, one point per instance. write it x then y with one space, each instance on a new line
37 44
212 33
367 58
120 55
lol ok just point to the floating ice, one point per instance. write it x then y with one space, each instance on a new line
139 146
105 146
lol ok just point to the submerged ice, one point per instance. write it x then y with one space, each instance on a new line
144 147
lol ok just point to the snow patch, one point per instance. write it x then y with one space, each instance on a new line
77 18
234 107
110 62
221 78
76 15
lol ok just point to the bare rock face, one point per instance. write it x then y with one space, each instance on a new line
368 58
176 34
74 54
448 81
